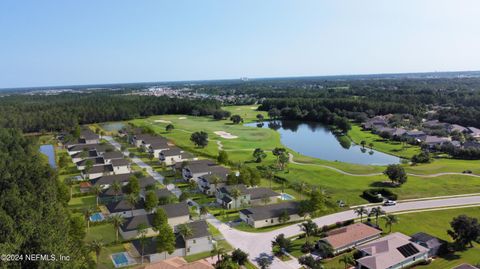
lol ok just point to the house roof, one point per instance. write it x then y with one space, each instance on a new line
389 251
209 177
176 209
432 139
271 211
112 155
350 234
88 154
108 180
229 188
143 182
259 193
172 210
427 240
81 147
100 169
154 140
150 246
159 145
120 162
163 193
456 127
94 161
199 229
179 263
474 130
173 151
124 205
200 166
88 134
415 133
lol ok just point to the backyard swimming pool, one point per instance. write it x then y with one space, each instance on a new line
121 259
97 217
287 197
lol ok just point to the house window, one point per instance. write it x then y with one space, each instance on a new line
271 221
188 249
194 241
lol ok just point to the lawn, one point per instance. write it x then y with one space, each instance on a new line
83 202
104 232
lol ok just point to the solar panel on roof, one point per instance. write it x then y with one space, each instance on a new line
408 250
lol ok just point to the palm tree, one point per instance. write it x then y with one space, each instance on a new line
96 246
346 260
309 228
302 187
116 221
363 143
389 221
96 189
360 211
70 182
203 211
215 181
142 237
217 251
377 212
185 231
235 193
116 187
87 212
370 145
132 199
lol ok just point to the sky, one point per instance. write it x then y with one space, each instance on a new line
48 43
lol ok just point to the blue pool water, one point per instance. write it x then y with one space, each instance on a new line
120 259
287 197
49 151
97 217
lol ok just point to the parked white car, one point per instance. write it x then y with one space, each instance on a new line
389 203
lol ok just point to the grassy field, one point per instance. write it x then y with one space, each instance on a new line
339 186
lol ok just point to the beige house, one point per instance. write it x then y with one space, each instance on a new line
350 236
263 216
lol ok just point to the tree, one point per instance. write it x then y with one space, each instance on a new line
63 161
97 247
184 196
264 261
465 230
166 239
370 145
218 251
132 200
284 244
200 139
69 181
325 249
389 221
222 157
235 193
317 201
236 119
116 187
260 117
377 212
221 114
274 113
283 160
169 127
239 256
347 260
142 237
96 189
360 211
284 217
116 221
310 262
133 185
277 152
185 231
259 155
309 228
159 218
87 212
203 211
363 143
215 181
396 173
151 201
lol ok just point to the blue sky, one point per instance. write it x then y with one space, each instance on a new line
86 42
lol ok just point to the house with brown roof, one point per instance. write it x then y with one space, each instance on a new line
393 251
350 236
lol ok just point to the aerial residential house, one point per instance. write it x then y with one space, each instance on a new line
263 216
154 140
431 242
110 195
112 155
125 209
225 196
393 251
474 132
120 166
89 137
209 183
416 135
432 141
137 139
106 181
176 263
74 149
435 124
156 147
193 170
174 155
88 154
399 132
198 242
177 214
350 236
457 128
375 123
92 161
98 171
471 145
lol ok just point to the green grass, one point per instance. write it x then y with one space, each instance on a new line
247 228
82 202
198 256
384 145
105 262
248 113
104 232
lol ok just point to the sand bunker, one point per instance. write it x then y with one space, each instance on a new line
225 135
182 118
253 107
163 121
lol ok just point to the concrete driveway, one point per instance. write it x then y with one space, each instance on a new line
256 244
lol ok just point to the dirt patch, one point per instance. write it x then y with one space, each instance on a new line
225 135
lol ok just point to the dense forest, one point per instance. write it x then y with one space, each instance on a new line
34 218
34 113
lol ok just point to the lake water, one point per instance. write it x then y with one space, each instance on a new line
113 126
49 151
317 140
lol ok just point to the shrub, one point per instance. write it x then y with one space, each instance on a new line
372 195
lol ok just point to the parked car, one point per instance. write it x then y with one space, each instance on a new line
389 203
467 172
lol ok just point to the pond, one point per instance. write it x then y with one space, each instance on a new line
113 126
317 140
49 151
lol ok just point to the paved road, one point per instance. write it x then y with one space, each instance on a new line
136 160
257 244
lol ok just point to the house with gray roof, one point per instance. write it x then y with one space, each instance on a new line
89 137
120 166
86 147
92 161
193 170
88 154
457 128
98 171
200 241
247 196
268 215
125 209
393 251
106 181
112 155
156 147
433 141
434 244
175 155
416 135
109 195
474 132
